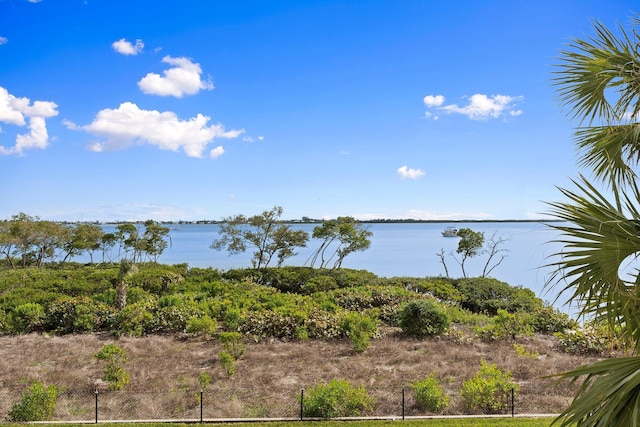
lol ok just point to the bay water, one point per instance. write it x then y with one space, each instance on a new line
399 249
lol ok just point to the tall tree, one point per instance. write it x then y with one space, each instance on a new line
83 238
154 239
344 236
266 233
469 246
598 81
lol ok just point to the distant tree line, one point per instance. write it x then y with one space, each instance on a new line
29 241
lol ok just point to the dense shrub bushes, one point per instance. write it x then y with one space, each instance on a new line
487 295
37 403
429 394
489 390
423 318
338 398
288 302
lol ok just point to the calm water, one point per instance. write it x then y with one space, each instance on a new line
397 250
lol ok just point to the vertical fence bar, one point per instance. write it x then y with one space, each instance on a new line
201 404
301 404
513 403
96 393
402 403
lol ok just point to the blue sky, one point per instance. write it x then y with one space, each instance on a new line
165 110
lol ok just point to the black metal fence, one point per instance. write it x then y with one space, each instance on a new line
188 405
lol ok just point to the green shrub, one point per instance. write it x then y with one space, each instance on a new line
114 373
360 328
228 363
338 398
590 340
488 295
134 319
234 348
429 394
38 403
489 390
549 320
423 318
77 314
505 325
438 287
27 318
202 325
319 284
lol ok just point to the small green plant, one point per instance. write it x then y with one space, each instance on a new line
338 398
505 325
522 352
204 380
37 403
423 318
488 390
429 394
234 348
228 363
360 328
114 373
202 325
27 318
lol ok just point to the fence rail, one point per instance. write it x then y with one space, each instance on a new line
189 405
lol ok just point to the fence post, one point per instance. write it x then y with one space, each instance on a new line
96 393
301 404
513 403
402 403
201 404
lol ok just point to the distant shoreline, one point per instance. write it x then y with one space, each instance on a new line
320 221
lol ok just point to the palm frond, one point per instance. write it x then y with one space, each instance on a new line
588 68
599 236
609 394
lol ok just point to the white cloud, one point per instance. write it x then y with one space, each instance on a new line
129 125
479 106
3 40
216 152
127 48
408 173
183 79
21 112
433 100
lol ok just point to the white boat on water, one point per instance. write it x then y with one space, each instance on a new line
450 232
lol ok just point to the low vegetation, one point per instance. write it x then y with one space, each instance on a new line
243 322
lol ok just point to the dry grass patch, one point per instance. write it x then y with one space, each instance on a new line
271 374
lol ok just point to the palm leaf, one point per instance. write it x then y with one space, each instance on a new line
598 79
599 236
609 394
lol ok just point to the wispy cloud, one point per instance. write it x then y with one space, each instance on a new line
478 106
183 79
127 48
21 112
3 40
406 172
129 125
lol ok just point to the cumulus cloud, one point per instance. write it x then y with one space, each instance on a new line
408 173
3 40
21 112
127 48
478 107
433 100
216 152
129 125
183 79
